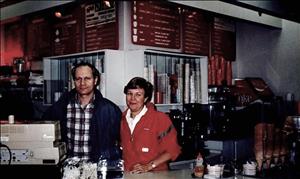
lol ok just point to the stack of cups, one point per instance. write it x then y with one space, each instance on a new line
11 119
249 169
215 171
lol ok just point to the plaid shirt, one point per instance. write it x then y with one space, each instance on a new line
78 126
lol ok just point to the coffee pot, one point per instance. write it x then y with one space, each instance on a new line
19 64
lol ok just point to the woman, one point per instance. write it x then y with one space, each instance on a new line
148 137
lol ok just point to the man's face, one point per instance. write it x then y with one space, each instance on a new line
84 80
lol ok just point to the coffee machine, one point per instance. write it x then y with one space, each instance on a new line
196 123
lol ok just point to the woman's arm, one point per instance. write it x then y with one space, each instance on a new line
139 168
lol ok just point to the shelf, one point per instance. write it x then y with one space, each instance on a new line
177 78
117 67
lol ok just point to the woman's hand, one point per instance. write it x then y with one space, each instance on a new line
139 168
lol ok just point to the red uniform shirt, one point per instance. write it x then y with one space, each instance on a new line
153 135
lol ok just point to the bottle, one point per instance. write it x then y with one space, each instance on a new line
102 168
199 167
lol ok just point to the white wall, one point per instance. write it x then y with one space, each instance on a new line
270 53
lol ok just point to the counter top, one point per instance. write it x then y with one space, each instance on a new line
54 172
170 174
288 173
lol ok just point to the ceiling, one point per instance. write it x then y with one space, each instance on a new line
15 8
285 9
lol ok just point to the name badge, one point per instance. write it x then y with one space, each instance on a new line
145 149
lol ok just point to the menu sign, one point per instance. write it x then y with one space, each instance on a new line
101 28
223 38
13 45
195 32
67 33
38 38
155 23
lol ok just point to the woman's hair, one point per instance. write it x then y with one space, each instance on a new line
138 82
95 72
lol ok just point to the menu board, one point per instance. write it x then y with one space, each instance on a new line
195 27
101 27
67 33
155 23
13 45
38 38
223 38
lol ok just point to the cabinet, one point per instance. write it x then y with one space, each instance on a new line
58 79
177 78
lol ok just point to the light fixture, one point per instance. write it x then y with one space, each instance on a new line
58 14
107 3
259 13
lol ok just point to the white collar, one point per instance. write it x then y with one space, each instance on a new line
133 121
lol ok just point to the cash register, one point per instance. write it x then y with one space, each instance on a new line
31 143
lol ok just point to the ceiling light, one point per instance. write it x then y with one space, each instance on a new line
58 14
107 3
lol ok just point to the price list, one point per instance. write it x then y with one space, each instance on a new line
101 28
195 32
223 38
38 38
67 33
155 23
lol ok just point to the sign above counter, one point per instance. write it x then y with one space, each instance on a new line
67 29
223 38
101 27
195 32
155 23
93 26
191 30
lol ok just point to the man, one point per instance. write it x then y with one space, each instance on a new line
89 122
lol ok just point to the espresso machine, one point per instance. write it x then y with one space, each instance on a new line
197 123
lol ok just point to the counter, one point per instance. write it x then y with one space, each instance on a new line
54 172
172 174
186 173
288 173
176 174
31 171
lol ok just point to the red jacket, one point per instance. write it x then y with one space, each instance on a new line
152 135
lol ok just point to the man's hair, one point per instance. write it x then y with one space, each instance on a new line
138 82
95 72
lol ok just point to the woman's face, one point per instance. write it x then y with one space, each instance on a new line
135 99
